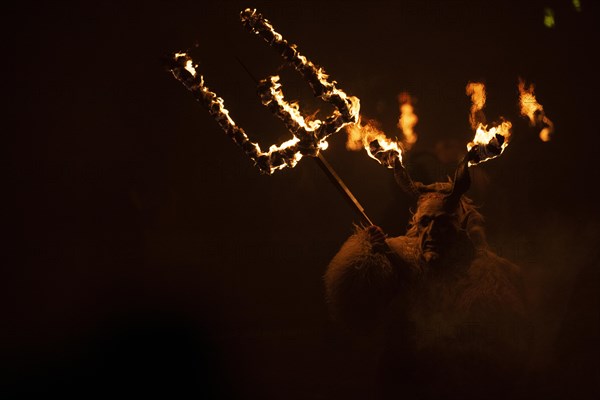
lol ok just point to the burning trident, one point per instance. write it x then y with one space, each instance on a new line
309 136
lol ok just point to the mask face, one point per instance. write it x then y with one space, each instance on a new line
437 229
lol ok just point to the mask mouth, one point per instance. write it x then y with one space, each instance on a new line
431 246
430 257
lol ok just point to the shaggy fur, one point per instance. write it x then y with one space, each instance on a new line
360 282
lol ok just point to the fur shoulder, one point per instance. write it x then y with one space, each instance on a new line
493 281
406 248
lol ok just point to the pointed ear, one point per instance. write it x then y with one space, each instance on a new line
462 182
403 180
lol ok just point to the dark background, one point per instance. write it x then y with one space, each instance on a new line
148 256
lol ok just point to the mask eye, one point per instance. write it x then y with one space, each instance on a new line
424 221
444 223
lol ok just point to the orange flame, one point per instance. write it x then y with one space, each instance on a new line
189 64
487 143
477 92
490 142
533 110
408 119
361 135
290 113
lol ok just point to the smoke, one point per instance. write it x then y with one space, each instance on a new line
559 262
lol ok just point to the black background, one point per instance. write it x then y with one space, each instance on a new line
148 255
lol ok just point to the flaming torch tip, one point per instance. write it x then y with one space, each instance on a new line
385 156
488 144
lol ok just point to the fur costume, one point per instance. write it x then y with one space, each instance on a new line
453 330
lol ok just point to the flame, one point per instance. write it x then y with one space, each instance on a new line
292 109
528 102
185 72
290 114
292 161
533 110
408 119
483 136
369 137
489 143
309 134
189 64
545 134
347 107
477 92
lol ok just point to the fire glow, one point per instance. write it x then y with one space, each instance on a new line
366 135
533 110
408 119
309 135
476 91
488 144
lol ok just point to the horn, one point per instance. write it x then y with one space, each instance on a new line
404 181
462 182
